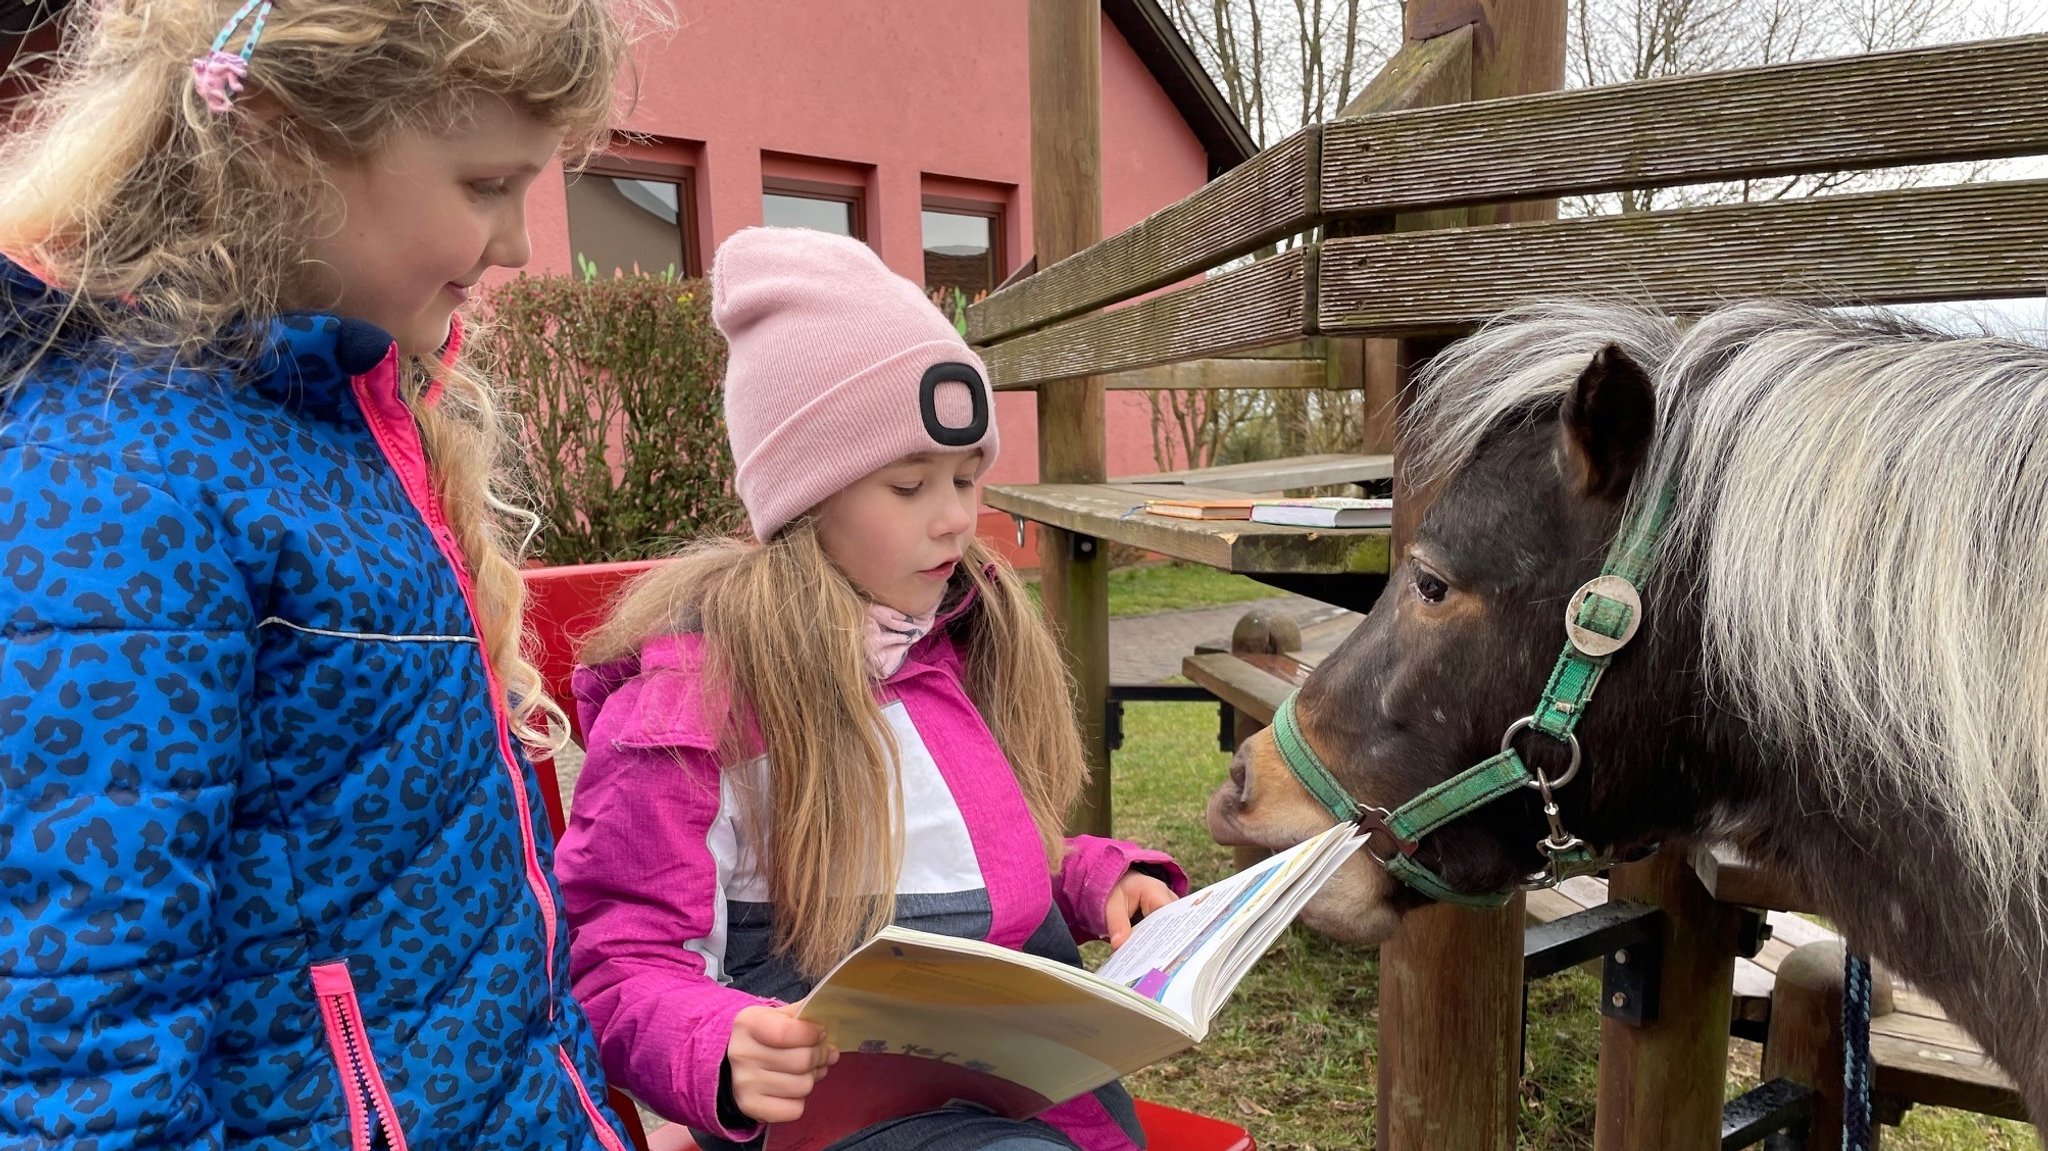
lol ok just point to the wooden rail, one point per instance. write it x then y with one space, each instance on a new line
1267 198
1262 304
1963 242
1968 102
1212 374
1956 103
1966 241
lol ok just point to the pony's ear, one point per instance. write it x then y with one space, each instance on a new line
1608 421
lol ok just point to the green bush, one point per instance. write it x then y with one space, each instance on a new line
617 381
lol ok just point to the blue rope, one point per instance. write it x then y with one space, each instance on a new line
1856 1054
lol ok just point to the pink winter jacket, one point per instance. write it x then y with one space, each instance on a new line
669 915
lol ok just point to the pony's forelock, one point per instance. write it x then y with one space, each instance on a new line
1517 368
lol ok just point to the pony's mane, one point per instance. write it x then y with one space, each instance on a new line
1875 581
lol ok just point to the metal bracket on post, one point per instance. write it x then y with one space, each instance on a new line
1597 932
1630 979
1083 547
1752 931
1764 1111
1617 927
1123 693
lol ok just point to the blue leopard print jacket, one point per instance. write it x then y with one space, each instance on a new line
272 873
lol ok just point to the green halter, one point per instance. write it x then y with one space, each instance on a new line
1600 620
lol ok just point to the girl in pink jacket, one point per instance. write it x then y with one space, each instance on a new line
855 718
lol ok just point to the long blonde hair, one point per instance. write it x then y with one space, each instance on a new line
784 669
170 227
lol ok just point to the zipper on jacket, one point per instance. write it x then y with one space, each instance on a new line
371 1122
608 1138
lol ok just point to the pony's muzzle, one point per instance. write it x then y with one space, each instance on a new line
1262 804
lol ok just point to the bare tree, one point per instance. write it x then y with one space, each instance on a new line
1616 41
1229 38
1285 63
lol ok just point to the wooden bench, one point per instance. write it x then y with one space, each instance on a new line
1253 677
1919 1056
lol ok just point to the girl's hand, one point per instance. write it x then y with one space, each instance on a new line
1136 895
776 1059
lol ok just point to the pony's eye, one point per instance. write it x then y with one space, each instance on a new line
1430 587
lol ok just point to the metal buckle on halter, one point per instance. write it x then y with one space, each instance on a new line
1373 819
1539 783
1559 842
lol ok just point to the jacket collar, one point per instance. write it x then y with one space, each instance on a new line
307 356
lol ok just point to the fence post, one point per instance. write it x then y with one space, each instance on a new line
1451 980
1066 216
1805 1041
1663 1082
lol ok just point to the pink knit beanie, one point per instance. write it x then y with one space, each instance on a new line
837 367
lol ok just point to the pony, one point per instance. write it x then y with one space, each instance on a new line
1839 663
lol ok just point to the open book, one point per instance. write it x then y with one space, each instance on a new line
925 1021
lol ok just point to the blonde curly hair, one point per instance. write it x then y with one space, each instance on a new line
168 224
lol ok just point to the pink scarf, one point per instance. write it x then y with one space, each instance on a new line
890 635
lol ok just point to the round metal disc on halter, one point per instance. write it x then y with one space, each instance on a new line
1591 642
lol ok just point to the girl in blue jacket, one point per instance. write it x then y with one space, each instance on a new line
272 871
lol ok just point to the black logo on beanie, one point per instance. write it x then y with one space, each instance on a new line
953 372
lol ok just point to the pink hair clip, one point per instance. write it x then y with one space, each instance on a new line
217 76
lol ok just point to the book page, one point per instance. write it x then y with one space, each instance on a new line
1167 954
927 1021
924 1021
1220 978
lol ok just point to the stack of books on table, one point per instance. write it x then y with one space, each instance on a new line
1324 512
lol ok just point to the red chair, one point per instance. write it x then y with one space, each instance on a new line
562 605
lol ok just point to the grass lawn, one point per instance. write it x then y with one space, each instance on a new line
1174 587
1291 1056
1177 587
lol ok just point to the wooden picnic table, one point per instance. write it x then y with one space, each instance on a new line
1263 476
1342 566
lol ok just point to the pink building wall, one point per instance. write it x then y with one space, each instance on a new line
904 100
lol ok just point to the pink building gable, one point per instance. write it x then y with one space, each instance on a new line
901 103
